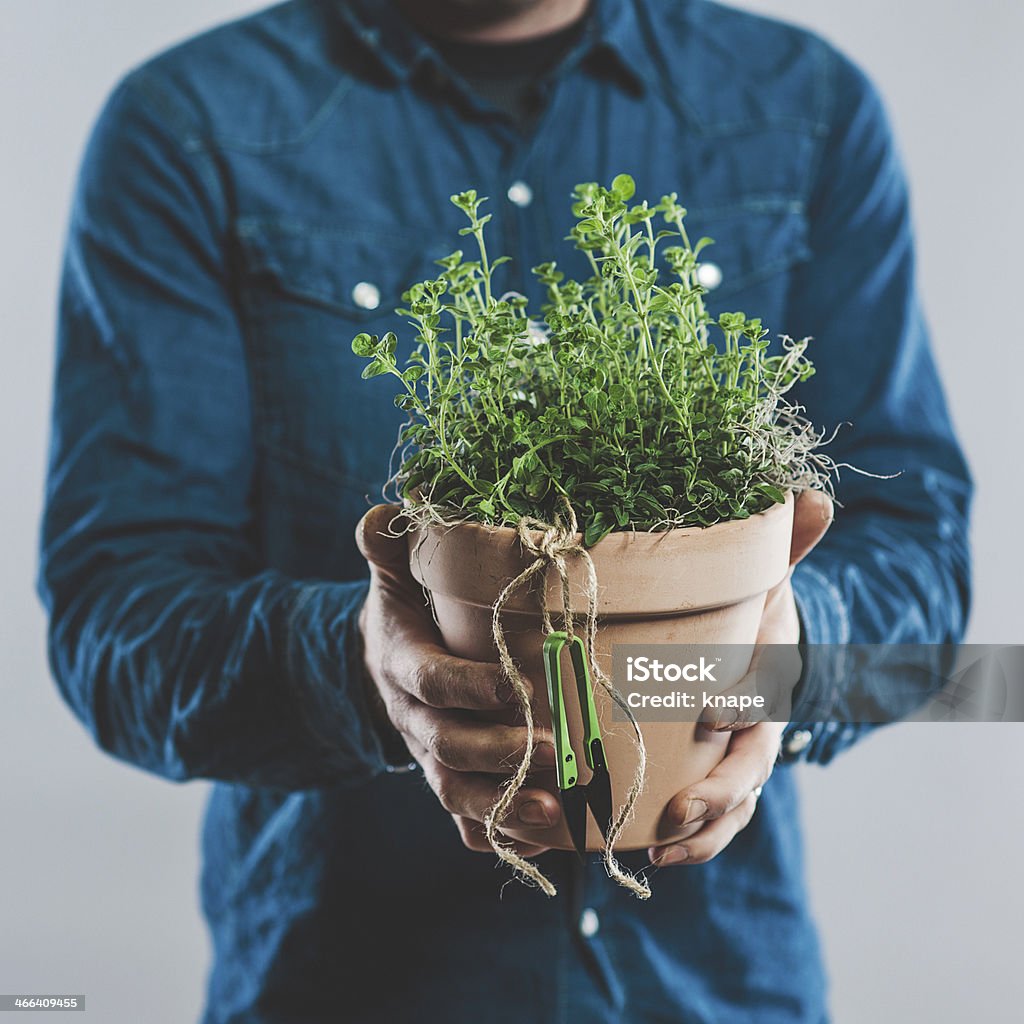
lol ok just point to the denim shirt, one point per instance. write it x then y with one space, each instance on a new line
248 202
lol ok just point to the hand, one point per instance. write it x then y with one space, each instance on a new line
439 702
721 805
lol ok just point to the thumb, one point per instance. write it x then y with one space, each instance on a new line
381 539
812 517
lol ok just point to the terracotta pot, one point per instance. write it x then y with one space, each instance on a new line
690 586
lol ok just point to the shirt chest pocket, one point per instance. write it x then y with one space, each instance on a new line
306 291
324 435
757 244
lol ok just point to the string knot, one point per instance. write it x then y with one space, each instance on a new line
557 539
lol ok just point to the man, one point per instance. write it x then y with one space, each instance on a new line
248 202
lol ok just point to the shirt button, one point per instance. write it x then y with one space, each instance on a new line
709 275
799 741
366 295
520 193
589 923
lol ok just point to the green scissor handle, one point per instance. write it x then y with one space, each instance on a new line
567 769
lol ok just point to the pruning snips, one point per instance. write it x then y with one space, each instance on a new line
597 793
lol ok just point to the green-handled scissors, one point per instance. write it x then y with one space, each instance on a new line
597 794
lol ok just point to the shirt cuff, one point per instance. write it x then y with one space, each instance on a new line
824 633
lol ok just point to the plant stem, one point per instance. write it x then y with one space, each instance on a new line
478 234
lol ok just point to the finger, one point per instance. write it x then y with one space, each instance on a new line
762 694
812 516
467 744
710 841
742 711
381 539
440 680
748 763
472 796
474 837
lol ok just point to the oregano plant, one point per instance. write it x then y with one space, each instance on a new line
622 396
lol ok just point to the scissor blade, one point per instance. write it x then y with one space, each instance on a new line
574 806
599 797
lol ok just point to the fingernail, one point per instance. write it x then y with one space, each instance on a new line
674 855
695 811
533 812
727 719
544 755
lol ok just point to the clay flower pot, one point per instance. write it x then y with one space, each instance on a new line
688 586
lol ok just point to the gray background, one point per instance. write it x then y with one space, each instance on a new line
915 838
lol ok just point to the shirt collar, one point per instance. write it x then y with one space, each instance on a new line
613 39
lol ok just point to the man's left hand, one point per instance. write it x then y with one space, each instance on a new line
720 806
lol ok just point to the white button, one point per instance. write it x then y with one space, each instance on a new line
589 923
709 275
366 295
520 193
799 741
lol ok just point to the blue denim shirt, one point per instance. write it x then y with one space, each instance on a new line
213 448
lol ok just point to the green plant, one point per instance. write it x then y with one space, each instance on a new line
616 400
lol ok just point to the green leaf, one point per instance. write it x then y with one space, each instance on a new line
466 201
451 261
364 345
374 369
773 492
623 186
596 530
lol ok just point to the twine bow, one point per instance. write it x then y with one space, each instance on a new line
557 543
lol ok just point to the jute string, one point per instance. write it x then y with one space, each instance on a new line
557 543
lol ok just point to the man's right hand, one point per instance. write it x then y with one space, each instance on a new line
435 700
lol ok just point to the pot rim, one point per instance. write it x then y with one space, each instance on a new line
722 528
725 563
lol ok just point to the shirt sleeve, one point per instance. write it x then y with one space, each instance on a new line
170 641
894 569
